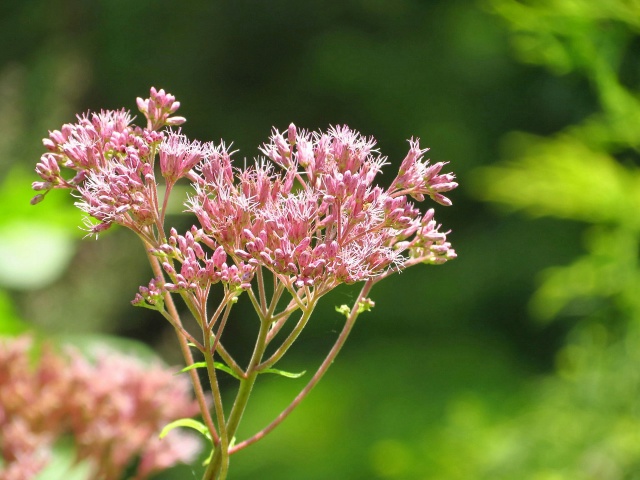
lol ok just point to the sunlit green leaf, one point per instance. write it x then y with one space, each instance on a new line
218 365
187 423
283 373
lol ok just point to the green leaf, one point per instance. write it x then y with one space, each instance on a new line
189 423
283 373
194 365
224 368
143 304
218 365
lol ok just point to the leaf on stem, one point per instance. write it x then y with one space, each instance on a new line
218 365
283 373
187 422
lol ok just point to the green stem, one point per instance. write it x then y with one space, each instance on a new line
219 464
180 329
217 468
165 202
186 351
246 384
348 326
277 294
228 359
280 319
256 305
261 291
279 353
223 322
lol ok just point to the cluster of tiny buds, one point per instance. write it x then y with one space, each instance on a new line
178 155
85 146
151 296
158 109
430 244
306 264
418 178
197 271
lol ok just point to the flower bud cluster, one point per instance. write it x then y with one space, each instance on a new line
151 296
196 270
112 421
320 219
158 109
112 162
418 178
120 193
84 146
178 155
429 245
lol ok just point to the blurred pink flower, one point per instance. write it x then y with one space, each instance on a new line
114 409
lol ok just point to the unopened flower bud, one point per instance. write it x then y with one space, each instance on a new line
174 121
143 105
37 199
37 186
291 134
441 199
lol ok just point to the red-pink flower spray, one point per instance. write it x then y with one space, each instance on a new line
309 213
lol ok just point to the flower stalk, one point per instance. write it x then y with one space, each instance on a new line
308 213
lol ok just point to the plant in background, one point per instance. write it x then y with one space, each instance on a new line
111 408
581 422
308 215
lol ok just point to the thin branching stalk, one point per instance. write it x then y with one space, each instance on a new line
348 326
221 457
165 203
223 322
181 330
295 333
229 360
186 352
261 291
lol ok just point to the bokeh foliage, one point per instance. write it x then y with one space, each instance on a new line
583 421
519 360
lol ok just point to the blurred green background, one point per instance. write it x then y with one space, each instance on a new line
520 359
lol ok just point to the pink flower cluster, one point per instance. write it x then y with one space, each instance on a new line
197 271
319 218
114 410
310 211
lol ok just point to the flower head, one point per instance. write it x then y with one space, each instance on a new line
417 178
178 155
158 109
315 214
310 211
